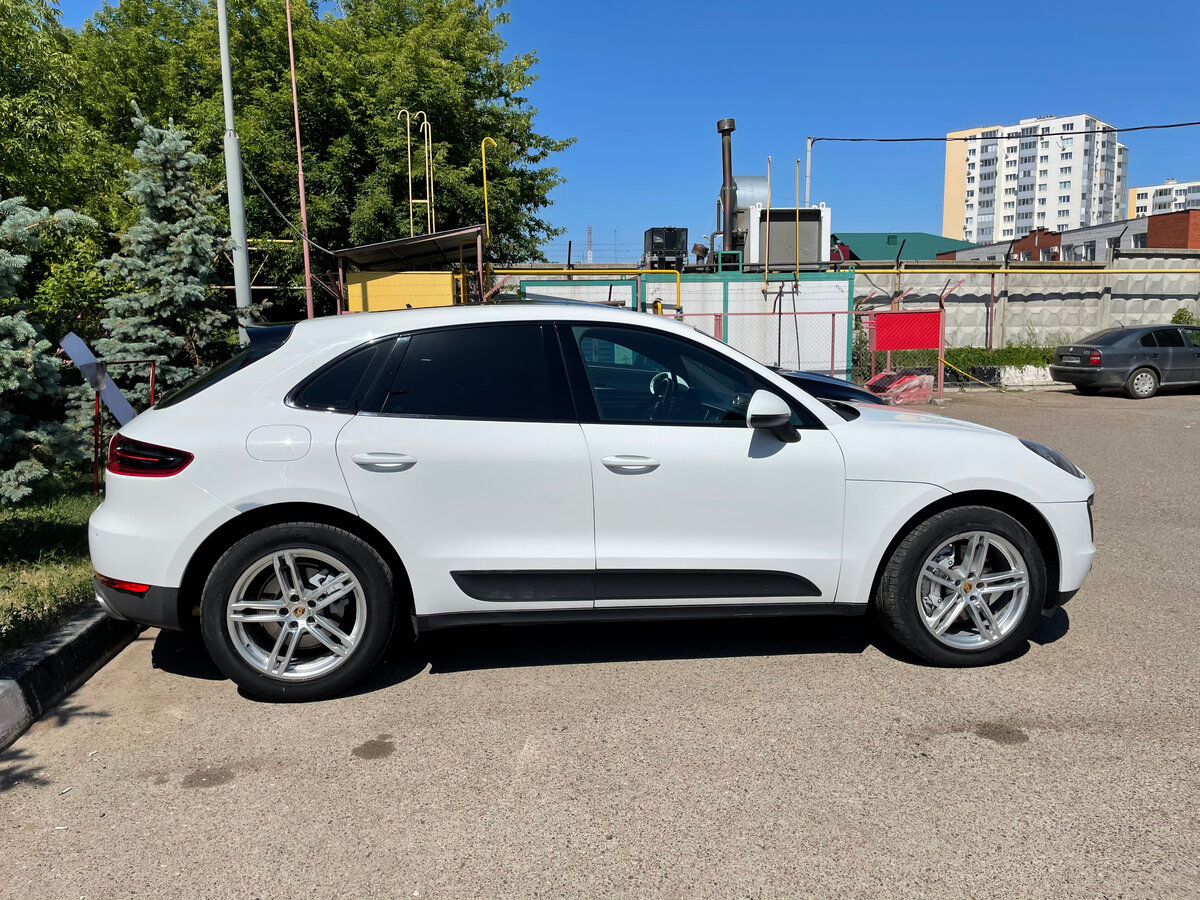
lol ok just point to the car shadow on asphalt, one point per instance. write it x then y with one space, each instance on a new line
510 646
480 647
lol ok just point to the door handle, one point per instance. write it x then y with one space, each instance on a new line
1151 356
384 462
630 465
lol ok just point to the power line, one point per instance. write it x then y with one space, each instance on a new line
281 215
944 139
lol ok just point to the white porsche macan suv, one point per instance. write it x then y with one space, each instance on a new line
556 463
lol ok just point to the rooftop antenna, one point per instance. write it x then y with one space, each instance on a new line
426 133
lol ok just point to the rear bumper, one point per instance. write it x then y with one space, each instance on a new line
159 606
1097 377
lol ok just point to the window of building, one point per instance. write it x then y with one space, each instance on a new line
1041 216
984 191
1043 173
1048 253
1066 142
1012 177
1044 145
969 220
1028 145
1008 232
1068 126
970 179
1044 159
1010 192
1064 185
970 193
1139 241
1064 170
1008 218
1042 188
971 152
1027 173
1066 155
1010 164
1045 129
1064 213
1041 201
1009 204
987 162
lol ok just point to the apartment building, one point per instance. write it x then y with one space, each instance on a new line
1051 172
1170 196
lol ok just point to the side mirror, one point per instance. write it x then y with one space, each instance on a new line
770 411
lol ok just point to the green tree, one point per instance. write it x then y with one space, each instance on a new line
171 312
356 70
33 439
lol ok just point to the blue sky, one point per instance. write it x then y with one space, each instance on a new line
642 85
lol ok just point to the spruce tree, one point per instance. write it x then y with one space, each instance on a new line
171 313
34 441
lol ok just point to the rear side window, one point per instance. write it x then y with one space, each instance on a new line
1193 335
1148 340
1103 338
343 384
508 372
1168 337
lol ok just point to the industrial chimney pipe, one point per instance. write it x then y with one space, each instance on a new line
725 128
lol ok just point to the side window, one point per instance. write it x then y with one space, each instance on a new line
1148 340
488 372
1168 337
640 377
1193 335
343 384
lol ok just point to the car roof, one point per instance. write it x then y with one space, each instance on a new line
365 326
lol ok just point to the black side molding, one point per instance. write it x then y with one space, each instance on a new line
517 586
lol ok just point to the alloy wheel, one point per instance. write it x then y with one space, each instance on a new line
972 591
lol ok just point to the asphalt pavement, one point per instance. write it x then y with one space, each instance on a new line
805 757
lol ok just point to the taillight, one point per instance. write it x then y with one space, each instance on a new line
131 586
1094 359
130 457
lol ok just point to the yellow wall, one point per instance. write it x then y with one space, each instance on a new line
954 188
373 291
1131 206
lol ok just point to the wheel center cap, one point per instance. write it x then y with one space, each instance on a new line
967 587
298 612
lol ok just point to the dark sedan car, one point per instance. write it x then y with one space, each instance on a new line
826 387
1138 360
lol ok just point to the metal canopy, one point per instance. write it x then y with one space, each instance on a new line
422 252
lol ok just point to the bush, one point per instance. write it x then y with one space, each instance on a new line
1183 317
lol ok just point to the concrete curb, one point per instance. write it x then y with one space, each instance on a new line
49 669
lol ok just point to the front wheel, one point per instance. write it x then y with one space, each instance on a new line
298 611
963 588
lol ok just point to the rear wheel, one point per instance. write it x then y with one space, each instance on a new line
963 588
1142 384
298 611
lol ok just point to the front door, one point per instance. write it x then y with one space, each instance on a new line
476 469
691 506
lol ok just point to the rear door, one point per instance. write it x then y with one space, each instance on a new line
1174 356
475 467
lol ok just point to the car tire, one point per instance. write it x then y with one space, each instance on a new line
1142 384
935 570
298 611
1088 390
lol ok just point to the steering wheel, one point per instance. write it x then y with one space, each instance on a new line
663 386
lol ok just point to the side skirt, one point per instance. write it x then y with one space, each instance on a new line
635 614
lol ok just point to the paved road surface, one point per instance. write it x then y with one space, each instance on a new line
720 759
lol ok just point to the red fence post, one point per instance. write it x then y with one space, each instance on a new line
717 326
941 364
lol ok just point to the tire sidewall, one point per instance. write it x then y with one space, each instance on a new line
377 588
898 587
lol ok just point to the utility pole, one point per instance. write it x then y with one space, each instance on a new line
308 295
808 142
233 183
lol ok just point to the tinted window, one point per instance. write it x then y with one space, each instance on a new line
343 384
1105 337
1193 335
493 372
1147 340
643 377
1168 337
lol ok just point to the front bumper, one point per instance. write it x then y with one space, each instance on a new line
159 606
1072 527
1098 377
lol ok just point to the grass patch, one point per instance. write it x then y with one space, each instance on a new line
45 574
